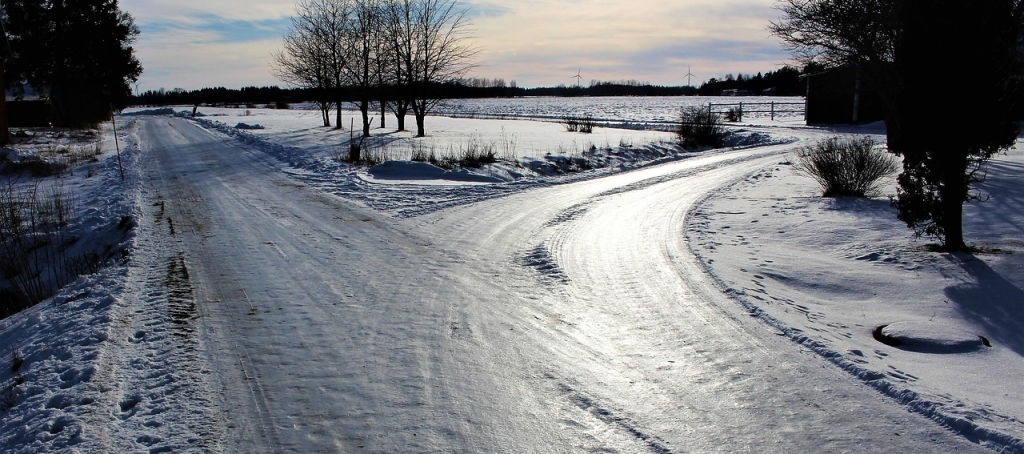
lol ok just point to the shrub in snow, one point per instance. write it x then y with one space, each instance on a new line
851 166
734 114
33 165
37 256
248 126
584 124
700 128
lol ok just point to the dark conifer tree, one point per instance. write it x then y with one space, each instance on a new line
79 51
946 133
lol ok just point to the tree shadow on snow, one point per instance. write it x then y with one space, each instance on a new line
1002 210
875 208
873 213
992 302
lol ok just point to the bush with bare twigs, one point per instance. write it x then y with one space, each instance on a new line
851 166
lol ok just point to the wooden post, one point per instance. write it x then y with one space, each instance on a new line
117 145
354 149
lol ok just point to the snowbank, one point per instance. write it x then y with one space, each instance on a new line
47 401
939 333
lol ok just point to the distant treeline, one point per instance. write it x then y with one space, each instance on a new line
783 82
250 96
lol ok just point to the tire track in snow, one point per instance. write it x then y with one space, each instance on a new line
184 218
540 259
651 357
612 418
634 389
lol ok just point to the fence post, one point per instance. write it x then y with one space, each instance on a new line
773 110
741 111
117 145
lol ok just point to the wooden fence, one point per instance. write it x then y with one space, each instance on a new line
735 111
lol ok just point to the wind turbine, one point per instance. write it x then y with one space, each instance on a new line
688 75
578 77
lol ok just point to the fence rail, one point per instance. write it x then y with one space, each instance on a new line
738 109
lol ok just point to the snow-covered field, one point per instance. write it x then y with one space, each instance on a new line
509 137
624 111
103 367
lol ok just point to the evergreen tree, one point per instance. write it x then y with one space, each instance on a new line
941 160
901 46
79 51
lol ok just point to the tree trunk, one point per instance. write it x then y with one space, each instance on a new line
401 111
338 115
419 111
325 113
5 131
856 93
420 129
364 109
383 113
954 193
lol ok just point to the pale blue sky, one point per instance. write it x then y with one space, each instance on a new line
205 43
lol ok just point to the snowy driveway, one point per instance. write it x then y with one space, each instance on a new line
568 318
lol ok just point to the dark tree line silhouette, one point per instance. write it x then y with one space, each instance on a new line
79 52
784 82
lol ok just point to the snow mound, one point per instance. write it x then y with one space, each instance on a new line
929 337
421 171
188 114
160 111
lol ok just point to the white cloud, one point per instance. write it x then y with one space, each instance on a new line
186 43
191 11
537 42
173 60
194 44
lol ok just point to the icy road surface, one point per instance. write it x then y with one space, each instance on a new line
567 318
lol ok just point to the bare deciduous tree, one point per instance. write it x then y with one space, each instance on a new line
838 32
431 47
397 52
362 44
316 51
398 42
303 64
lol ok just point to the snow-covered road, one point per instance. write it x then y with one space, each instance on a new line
565 318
